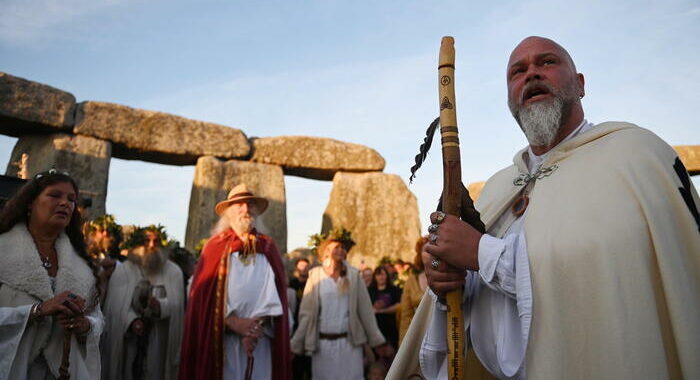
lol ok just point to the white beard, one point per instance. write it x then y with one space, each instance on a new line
151 262
541 121
243 224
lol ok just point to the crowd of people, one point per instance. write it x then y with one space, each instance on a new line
553 287
101 300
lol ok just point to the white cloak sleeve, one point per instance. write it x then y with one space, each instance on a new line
91 349
13 322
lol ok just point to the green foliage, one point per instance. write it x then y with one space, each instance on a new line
385 260
135 239
138 237
198 248
338 234
160 231
106 223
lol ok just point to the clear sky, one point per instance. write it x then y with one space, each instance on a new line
358 71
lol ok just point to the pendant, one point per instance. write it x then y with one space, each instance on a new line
246 259
46 264
520 205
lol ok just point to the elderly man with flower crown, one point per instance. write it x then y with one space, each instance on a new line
236 323
144 306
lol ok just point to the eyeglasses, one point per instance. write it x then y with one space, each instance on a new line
51 171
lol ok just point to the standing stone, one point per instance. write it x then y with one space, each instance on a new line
29 107
381 213
214 178
156 136
86 159
690 156
474 189
315 157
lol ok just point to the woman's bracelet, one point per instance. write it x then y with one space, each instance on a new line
35 312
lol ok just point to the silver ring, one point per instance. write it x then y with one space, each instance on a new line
433 227
433 238
439 217
435 263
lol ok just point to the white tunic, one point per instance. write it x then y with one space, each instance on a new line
156 353
335 359
501 310
251 293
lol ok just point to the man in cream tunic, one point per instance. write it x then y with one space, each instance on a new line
595 274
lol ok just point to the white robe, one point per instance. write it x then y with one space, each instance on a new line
31 350
335 359
614 255
251 293
163 352
499 294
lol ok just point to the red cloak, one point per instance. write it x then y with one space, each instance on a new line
202 354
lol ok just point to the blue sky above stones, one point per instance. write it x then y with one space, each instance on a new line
357 71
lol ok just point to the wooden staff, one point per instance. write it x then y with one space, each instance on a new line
451 198
63 372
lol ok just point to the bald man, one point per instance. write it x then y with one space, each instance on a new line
590 264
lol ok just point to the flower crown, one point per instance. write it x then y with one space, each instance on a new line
138 236
106 223
338 234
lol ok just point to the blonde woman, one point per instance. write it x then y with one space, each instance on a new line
335 315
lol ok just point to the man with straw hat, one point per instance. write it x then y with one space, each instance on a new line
236 323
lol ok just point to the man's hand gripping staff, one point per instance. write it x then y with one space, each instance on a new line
445 257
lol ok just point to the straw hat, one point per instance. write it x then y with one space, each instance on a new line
240 193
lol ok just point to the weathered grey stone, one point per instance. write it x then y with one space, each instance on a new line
315 157
85 158
214 178
156 136
379 210
690 156
29 107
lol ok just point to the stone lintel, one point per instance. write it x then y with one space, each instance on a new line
28 107
156 136
315 157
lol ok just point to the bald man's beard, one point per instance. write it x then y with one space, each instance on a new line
541 121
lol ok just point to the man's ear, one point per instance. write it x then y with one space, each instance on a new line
581 84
